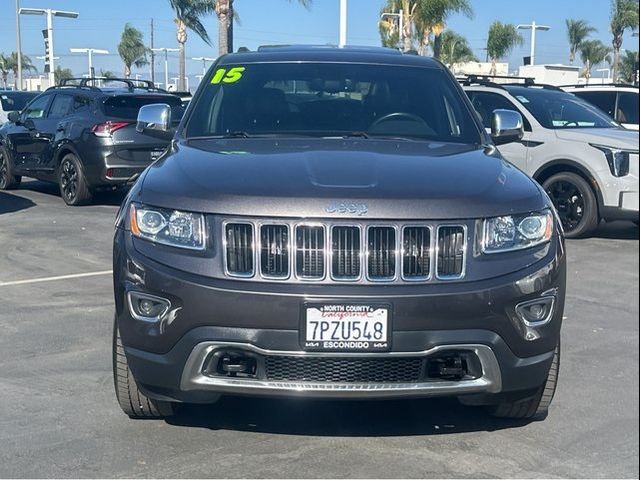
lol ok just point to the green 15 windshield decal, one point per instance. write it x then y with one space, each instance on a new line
223 75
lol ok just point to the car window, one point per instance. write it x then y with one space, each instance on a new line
558 109
37 108
605 101
126 107
332 99
627 108
61 107
486 102
15 101
81 104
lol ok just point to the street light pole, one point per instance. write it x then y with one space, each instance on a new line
90 52
50 14
533 26
343 23
18 47
166 62
204 61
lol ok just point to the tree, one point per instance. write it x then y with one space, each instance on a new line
389 26
5 68
431 16
577 32
9 63
61 74
624 15
107 74
628 67
132 49
188 14
503 37
226 16
592 52
455 49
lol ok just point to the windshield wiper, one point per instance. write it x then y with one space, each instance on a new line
236 134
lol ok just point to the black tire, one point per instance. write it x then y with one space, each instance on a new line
132 401
8 180
575 202
74 189
536 407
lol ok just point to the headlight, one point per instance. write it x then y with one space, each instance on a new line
505 234
617 159
169 227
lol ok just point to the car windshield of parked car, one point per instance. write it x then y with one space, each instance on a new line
15 101
556 109
331 99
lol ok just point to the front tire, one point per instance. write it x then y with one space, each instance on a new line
73 184
575 202
132 401
536 407
8 180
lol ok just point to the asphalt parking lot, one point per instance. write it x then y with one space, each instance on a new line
59 416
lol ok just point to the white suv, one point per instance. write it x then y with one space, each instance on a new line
586 162
620 102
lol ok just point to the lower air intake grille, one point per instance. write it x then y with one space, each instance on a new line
310 252
381 244
239 238
274 251
451 246
344 370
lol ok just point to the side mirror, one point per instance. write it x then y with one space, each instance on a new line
155 120
14 117
506 126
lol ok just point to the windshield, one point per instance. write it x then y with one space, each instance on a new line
15 101
327 99
555 109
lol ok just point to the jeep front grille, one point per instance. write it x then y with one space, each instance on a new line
358 253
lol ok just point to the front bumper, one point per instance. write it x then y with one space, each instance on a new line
168 358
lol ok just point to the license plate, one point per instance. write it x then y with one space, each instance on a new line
346 327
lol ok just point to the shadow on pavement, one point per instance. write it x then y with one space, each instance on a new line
112 198
340 418
13 203
617 231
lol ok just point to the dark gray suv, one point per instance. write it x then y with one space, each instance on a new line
335 223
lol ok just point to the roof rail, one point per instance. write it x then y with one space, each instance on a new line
583 85
90 82
487 81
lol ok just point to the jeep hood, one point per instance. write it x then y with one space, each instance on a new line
610 137
302 177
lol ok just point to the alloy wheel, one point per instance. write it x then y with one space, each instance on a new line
69 179
569 203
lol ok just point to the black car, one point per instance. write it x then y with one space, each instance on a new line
336 223
82 136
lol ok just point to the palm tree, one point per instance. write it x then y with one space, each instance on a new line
226 15
5 68
577 32
27 64
188 14
107 74
388 25
432 16
628 67
503 37
455 49
61 74
132 49
592 52
624 15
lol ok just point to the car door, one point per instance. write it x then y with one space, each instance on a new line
627 109
46 129
21 134
485 103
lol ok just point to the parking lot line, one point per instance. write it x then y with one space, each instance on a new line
59 277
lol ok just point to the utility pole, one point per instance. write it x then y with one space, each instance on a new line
343 23
153 57
18 47
533 26
166 62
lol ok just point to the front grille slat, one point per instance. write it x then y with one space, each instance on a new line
451 246
345 370
381 245
310 252
345 248
239 255
274 251
416 253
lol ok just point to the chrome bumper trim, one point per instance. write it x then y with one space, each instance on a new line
194 379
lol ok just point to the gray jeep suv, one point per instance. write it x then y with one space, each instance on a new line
335 223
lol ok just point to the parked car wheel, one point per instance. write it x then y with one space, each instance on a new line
132 401
536 407
576 203
73 185
7 179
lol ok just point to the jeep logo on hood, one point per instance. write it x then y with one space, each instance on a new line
347 207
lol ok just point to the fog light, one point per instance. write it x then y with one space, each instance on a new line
145 307
538 312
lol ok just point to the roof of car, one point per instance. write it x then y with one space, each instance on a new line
329 53
595 86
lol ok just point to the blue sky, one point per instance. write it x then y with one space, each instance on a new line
276 21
